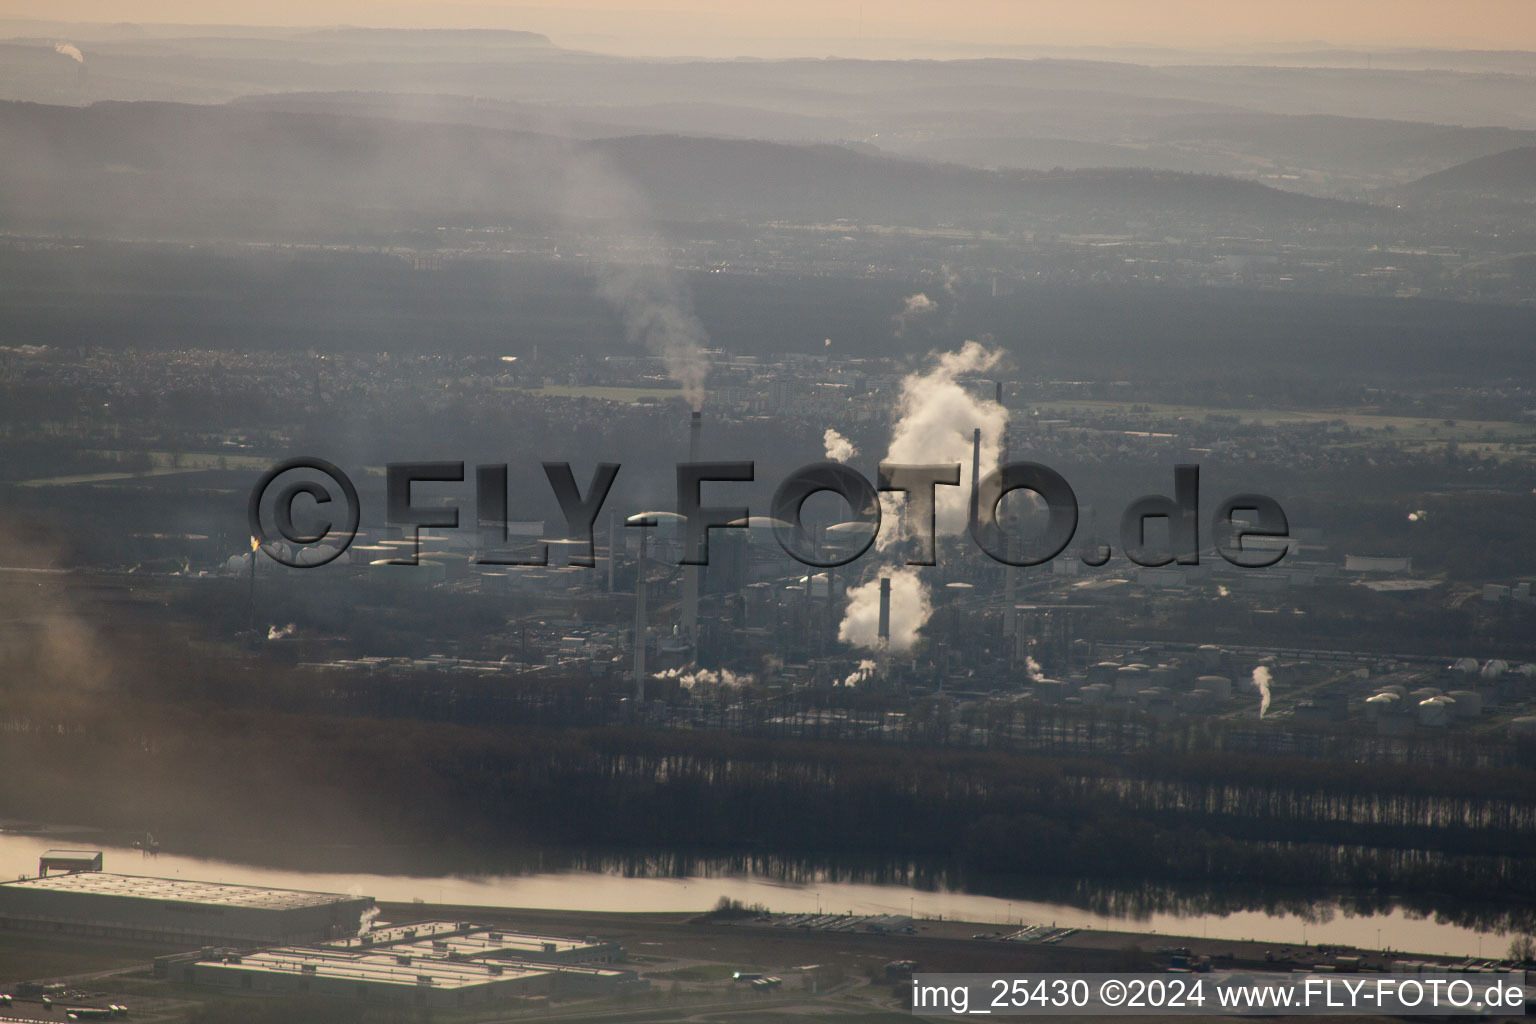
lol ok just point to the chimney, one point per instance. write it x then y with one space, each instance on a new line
885 610
690 623
642 628
1002 442
975 475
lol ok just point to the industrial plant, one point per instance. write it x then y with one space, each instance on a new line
427 963
264 940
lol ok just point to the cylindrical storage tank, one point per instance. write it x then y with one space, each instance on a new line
1130 680
821 584
1162 675
1211 655
320 554
1464 665
1433 712
1523 728
362 554
1468 703
1382 704
1423 693
1495 668
1049 691
1220 687
1401 691
1196 701
1103 672
1096 693
1153 693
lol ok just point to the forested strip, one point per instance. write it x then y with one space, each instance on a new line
1468 834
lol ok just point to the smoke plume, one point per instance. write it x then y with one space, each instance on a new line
864 672
913 307
689 678
1261 680
71 51
635 275
935 418
839 448
910 610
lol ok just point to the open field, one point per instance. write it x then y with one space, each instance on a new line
607 394
1405 428
29 956
688 960
1501 440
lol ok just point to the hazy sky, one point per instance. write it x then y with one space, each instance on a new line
831 25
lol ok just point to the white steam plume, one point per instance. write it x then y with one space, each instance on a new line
281 632
839 448
910 609
1261 680
863 673
365 923
935 418
689 678
635 275
1032 669
71 51
913 307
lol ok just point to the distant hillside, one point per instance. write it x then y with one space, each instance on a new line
150 168
434 36
1507 175
590 121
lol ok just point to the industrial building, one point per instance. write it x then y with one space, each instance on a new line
69 860
176 910
465 941
432 964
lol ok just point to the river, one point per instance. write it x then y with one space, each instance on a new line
619 891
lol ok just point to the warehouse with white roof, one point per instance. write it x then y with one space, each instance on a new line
176 910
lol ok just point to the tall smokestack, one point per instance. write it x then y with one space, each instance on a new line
1002 440
642 628
1011 591
691 572
885 611
975 474
1010 572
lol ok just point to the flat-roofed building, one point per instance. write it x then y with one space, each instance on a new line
177 910
69 860
397 974
444 938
